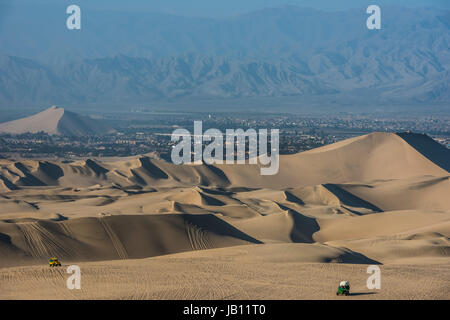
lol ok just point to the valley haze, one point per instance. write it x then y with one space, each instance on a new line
301 58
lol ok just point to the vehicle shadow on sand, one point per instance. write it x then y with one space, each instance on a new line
354 294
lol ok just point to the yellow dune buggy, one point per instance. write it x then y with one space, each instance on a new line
54 262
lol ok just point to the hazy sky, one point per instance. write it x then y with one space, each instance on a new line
220 7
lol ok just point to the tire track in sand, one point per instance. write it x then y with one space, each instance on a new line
198 238
41 243
118 246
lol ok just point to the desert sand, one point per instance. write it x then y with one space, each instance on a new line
270 271
142 228
55 120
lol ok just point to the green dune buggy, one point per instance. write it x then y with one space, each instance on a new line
343 289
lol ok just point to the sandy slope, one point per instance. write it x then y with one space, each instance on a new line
271 271
376 199
55 120
378 156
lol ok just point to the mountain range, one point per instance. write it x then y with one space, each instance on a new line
277 52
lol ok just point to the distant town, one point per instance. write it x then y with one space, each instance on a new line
143 132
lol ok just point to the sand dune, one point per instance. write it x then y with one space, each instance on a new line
378 156
375 199
428 193
56 120
114 237
371 157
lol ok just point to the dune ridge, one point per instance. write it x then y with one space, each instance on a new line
377 156
58 121
377 198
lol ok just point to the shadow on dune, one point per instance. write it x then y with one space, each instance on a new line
211 223
94 166
5 238
136 178
353 257
429 148
217 191
349 199
115 237
304 227
292 198
8 184
151 169
51 170
221 176
428 183
211 201
28 179
354 294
